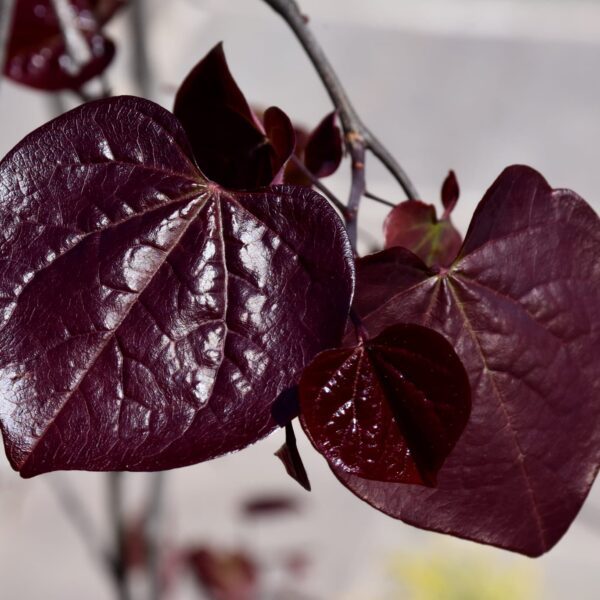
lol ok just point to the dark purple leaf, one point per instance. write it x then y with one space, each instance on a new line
228 140
324 149
450 193
37 55
149 317
388 409
282 140
289 455
521 306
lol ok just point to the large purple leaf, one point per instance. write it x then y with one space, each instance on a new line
230 144
388 409
37 55
149 317
521 305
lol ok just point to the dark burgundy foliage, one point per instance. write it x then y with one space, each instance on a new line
450 193
414 225
521 305
324 148
230 144
149 317
37 55
388 409
224 575
289 455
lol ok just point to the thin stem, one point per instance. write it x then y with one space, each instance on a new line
81 521
379 199
319 185
117 519
141 64
351 122
357 188
7 8
154 532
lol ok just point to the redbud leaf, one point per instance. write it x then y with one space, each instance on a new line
388 409
450 193
230 145
324 149
414 225
149 318
37 54
521 305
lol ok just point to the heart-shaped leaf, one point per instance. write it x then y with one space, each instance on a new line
149 317
229 142
37 54
414 225
521 305
324 148
387 409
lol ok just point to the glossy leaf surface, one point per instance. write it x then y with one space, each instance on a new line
150 318
37 54
324 149
387 409
230 144
521 305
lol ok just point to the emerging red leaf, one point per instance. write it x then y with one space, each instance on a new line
149 317
450 193
521 305
414 225
324 149
388 409
229 143
37 54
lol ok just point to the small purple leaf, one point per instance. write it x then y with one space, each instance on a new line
388 409
149 317
289 455
324 149
450 194
521 305
229 143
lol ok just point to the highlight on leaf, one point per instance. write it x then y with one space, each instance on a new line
388 409
230 144
414 225
521 307
153 317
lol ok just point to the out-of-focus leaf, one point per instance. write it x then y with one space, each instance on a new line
37 54
388 409
149 317
521 305
225 575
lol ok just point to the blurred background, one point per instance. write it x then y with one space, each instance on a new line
469 85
